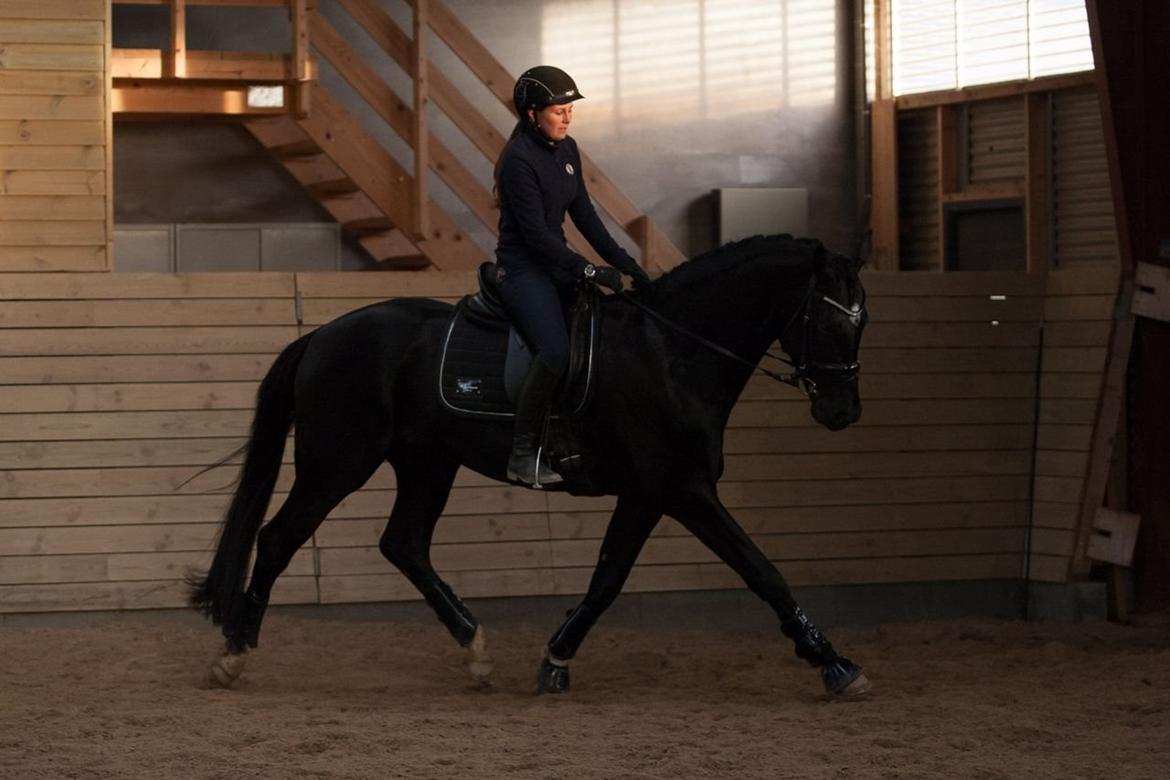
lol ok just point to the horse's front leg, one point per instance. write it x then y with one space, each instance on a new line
629 527
702 513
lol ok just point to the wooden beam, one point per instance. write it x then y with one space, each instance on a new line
993 91
947 122
1037 188
1104 429
883 61
253 67
299 59
177 62
188 99
420 135
884 162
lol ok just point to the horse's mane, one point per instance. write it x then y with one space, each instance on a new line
701 268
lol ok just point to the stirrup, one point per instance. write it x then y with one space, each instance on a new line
540 466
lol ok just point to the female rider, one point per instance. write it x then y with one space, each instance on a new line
538 178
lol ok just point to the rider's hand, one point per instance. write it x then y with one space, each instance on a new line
608 277
638 277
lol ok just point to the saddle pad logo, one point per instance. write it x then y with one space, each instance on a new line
472 387
569 168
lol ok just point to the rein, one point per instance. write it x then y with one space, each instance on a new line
800 377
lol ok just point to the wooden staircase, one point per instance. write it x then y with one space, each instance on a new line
382 206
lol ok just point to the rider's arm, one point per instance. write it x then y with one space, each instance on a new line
585 218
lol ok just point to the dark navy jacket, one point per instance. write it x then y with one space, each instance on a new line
538 184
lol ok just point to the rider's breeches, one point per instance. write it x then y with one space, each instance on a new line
538 308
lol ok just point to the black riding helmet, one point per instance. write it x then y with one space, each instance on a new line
541 87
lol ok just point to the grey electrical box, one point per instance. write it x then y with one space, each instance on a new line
294 246
750 211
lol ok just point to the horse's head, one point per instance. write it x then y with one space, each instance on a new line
824 338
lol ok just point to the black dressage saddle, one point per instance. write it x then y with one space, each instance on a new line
485 359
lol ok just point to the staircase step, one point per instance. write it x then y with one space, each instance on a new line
368 226
394 250
306 148
333 188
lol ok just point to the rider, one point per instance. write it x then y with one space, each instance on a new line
538 178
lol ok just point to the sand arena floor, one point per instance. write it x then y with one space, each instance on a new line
336 699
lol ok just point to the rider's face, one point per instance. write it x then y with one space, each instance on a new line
555 120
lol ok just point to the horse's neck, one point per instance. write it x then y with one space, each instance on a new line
738 315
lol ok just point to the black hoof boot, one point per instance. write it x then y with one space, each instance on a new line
843 677
552 678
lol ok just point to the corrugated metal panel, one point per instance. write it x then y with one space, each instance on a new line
1084 229
918 228
995 141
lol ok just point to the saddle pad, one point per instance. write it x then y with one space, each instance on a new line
481 366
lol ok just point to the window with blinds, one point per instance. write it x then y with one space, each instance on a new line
951 44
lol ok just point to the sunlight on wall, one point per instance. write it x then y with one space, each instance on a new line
663 61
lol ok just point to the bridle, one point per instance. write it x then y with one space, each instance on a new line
804 368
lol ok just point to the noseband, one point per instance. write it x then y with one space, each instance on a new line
804 368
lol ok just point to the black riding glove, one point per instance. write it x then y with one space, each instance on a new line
628 266
604 276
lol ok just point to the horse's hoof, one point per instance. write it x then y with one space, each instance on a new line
844 678
479 662
226 669
552 678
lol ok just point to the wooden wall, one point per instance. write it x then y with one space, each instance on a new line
114 389
55 149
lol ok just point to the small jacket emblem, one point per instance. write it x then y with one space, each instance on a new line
569 168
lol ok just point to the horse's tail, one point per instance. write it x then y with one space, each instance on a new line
215 593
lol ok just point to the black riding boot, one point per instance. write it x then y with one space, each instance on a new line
531 408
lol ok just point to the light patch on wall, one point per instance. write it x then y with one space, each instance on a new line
656 62
265 97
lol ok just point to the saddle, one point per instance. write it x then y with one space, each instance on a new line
485 358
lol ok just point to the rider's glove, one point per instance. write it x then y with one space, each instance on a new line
604 276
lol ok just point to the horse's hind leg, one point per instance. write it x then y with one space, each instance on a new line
701 513
628 530
423 487
308 502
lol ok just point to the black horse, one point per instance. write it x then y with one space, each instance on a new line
671 360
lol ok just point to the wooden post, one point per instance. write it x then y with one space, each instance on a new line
883 119
421 142
299 63
177 62
947 123
1036 183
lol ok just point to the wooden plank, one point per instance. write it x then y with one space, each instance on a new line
1080 307
1103 279
52 207
1064 437
166 312
1076 334
119 453
52 158
70 597
120 510
215 65
119 286
52 31
827 519
958 360
864 466
946 412
953 283
976 308
144 341
1066 386
373 285
116 567
906 438
197 537
52 258
321 311
884 162
420 134
52 183
41 56
28 82
126 425
127 397
50 133
904 386
55 9
133 368
365 532
966 334
35 234
152 99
